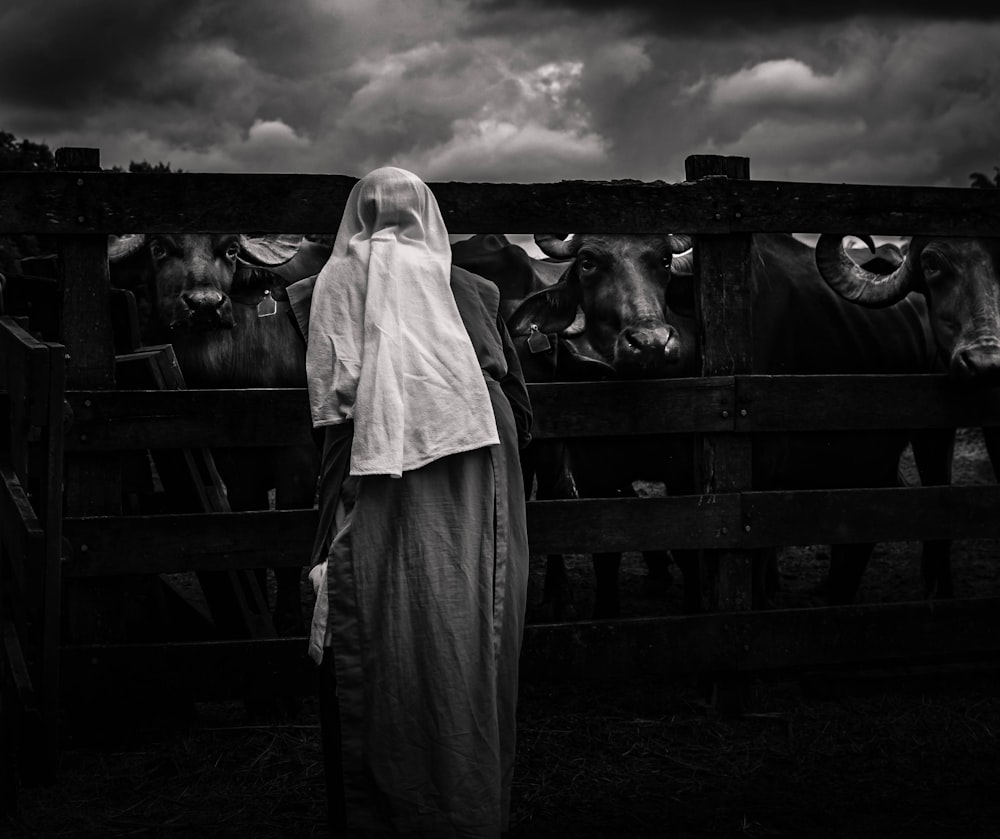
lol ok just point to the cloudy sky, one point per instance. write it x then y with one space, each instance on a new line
512 90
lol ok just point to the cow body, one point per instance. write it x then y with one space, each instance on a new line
218 300
959 280
638 313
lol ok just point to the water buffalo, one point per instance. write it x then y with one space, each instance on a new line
544 463
567 354
220 301
959 278
638 317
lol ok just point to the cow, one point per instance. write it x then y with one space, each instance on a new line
220 301
544 463
959 278
567 356
637 300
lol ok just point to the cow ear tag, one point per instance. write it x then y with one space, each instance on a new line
267 306
538 341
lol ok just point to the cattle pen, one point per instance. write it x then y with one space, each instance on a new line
64 534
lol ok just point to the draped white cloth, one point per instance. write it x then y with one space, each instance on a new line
386 346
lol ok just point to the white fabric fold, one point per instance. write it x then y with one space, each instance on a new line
387 347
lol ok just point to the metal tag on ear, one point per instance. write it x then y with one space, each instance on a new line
267 306
538 341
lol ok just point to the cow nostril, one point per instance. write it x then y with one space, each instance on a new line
203 300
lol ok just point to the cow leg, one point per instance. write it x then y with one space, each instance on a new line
689 562
847 566
933 453
606 566
545 465
991 437
556 590
245 490
766 578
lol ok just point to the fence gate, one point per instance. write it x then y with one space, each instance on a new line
32 374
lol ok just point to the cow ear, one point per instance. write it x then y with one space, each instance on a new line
550 310
268 251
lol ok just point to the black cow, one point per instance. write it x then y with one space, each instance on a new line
638 312
959 278
220 301
567 354
544 463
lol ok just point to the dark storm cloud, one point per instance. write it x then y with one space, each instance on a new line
509 89
734 17
67 54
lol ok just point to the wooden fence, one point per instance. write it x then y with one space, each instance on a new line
60 508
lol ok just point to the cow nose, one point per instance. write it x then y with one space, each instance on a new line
651 345
979 362
203 300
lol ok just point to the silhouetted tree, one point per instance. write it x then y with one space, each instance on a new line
145 167
24 155
981 181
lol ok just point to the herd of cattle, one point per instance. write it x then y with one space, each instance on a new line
602 307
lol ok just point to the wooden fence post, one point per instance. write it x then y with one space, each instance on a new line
723 310
93 481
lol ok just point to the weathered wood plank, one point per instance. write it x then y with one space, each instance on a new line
750 642
632 524
93 485
598 409
723 309
20 530
113 202
104 546
851 403
882 633
871 515
123 420
108 546
208 670
109 420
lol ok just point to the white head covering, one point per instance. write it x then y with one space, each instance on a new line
387 346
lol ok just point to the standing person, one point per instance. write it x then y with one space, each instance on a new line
421 562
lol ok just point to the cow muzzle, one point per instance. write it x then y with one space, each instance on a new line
977 363
204 309
650 350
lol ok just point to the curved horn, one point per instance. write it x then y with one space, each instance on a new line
578 326
122 247
269 251
679 243
683 264
853 282
555 245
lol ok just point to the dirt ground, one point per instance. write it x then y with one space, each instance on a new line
908 753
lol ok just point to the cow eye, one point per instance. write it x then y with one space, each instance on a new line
232 252
588 265
157 251
932 264
665 262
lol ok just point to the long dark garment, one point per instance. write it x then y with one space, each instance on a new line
427 583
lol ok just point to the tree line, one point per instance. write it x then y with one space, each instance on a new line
20 155
28 156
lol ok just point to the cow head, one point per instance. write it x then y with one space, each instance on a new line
960 279
187 281
621 296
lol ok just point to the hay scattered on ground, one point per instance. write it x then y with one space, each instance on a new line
911 755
